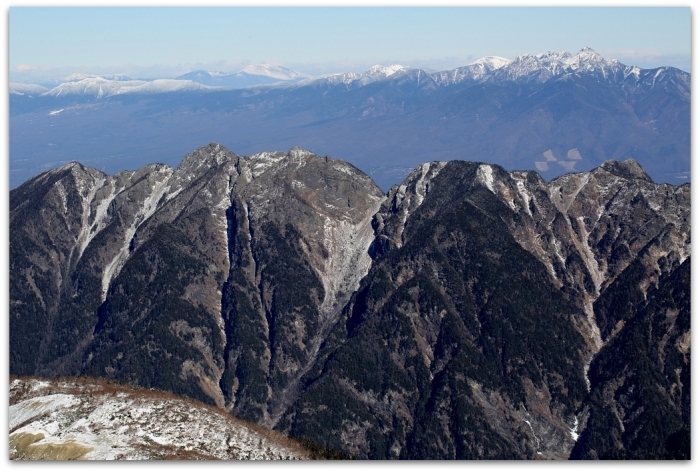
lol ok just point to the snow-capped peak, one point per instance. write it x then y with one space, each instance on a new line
28 89
76 77
100 87
491 62
93 85
269 70
541 67
586 58
386 71
587 52
590 61
544 66
375 73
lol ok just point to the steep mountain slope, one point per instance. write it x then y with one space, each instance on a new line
640 400
299 231
189 279
72 229
480 277
471 312
459 323
78 418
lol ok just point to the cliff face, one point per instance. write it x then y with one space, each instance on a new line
299 228
486 303
199 279
469 313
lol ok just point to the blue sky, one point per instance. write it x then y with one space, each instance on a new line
51 43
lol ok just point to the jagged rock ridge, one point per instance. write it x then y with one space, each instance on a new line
588 231
461 310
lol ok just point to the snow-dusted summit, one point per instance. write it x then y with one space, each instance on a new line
26 89
386 71
80 76
537 68
375 73
273 71
101 87
542 67
491 62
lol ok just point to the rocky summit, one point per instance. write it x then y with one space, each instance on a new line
469 313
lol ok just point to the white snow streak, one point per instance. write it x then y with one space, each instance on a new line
62 194
524 195
533 433
147 209
485 176
574 430
428 173
421 176
87 232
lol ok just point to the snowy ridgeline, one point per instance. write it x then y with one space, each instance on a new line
528 67
79 419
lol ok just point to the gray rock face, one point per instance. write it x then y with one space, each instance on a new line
469 313
72 229
107 268
586 228
299 231
447 262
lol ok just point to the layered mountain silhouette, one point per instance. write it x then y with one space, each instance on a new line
470 312
553 113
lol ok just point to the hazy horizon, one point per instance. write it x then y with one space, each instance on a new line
49 44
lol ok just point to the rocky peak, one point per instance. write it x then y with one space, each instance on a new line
628 169
298 153
541 67
491 62
585 57
383 71
212 155
402 201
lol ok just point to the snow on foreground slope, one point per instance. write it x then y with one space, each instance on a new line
82 418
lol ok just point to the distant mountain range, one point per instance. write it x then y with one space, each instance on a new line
107 85
526 68
554 112
263 74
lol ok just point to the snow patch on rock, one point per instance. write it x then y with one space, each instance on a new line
135 424
485 175
147 209
261 162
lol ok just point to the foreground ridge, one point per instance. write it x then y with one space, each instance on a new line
79 418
